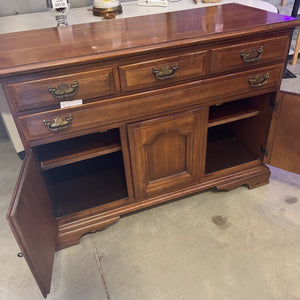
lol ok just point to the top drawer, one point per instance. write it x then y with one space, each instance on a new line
163 71
248 54
50 91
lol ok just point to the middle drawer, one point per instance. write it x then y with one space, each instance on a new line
164 71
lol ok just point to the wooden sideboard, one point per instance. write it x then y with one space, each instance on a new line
172 104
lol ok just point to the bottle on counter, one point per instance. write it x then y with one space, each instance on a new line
59 9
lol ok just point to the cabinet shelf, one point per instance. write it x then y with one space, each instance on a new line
230 112
77 149
86 184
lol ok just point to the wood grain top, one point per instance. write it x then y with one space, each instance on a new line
22 52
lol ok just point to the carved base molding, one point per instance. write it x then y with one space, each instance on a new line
70 234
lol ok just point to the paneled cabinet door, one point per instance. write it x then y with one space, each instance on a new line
284 136
167 153
32 222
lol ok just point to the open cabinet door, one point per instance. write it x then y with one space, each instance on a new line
32 222
284 136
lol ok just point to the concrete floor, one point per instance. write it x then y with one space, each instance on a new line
176 250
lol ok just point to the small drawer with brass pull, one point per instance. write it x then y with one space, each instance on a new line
252 55
259 79
59 123
47 93
165 72
161 71
243 55
64 91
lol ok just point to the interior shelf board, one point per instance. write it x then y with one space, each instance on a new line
78 149
227 116
61 161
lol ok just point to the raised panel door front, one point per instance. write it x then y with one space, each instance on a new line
167 153
284 137
32 222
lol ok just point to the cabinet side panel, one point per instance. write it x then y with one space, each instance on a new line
32 222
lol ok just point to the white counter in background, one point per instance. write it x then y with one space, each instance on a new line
130 9
84 15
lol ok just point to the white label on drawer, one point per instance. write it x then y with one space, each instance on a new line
59 3
64 104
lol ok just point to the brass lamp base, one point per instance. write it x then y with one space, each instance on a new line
107 13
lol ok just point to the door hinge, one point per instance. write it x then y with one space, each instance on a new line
264 150
275 105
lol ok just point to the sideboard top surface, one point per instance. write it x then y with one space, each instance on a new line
42 49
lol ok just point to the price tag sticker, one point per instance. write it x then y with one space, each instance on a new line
64 104
59 4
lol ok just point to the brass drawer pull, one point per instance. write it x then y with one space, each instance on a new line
165 73
258 80
58 123
64 91
252 54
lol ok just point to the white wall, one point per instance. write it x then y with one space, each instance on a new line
13 7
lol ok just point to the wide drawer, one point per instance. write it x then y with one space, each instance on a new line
36 94
249 54
112 112
163 71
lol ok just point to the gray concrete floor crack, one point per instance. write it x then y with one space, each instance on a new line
100 268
